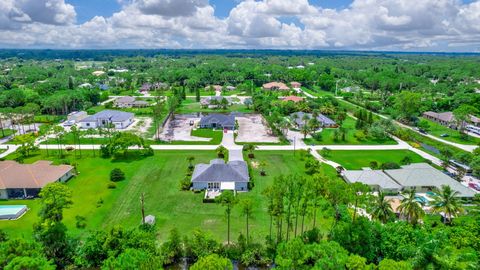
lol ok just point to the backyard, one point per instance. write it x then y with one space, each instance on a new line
190 105
158 177
355 159
349 124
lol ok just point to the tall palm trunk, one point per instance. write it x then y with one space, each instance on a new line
248 237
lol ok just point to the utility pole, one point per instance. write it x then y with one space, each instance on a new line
294 144
142 202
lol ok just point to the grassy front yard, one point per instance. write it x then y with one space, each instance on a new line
215 135
355 159
158 177
453 135
349 125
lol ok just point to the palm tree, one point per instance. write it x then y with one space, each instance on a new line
410 207
58 131
250 148
445 201
382 210
91 132
247 210
262 166
221 151
305 130
190 160
227 199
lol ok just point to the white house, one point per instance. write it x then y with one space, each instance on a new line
118 119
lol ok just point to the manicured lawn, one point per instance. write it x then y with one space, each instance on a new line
354 159
453 135
69 139
215 135
158 177
6 132
190 105
349 125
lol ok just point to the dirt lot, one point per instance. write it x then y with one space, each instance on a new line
179 128
253 128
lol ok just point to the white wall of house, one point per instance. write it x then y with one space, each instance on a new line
239 186
118 125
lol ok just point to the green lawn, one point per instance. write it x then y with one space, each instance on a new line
453 135
158 177
215 135
349 125
69 139
190 105
6 132
355 159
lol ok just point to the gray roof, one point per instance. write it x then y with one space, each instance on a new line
298 118
219 171
222 119
125 99
371 178
111 115
422 174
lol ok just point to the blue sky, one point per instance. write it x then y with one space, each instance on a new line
87 9
403 25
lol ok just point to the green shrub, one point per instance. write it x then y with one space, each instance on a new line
390 166
81 222
112 185
117 175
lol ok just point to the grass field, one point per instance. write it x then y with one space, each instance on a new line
6 132
158 177
354 159
215 135
69 139
453 135
349 125
190 105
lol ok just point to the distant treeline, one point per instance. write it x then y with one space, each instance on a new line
107 55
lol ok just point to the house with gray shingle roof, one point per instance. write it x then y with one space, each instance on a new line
219 121
118 119
420 176
324 121
129 102
375 179
219 175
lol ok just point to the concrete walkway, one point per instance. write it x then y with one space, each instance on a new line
10 149
234 151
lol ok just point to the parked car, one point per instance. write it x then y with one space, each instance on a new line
474 186
69 123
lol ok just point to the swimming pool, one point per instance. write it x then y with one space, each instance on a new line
12 211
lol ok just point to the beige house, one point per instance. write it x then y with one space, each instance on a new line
26 180
448 119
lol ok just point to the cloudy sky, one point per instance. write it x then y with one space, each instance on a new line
403 25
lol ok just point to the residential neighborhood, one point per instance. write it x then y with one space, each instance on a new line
246 135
